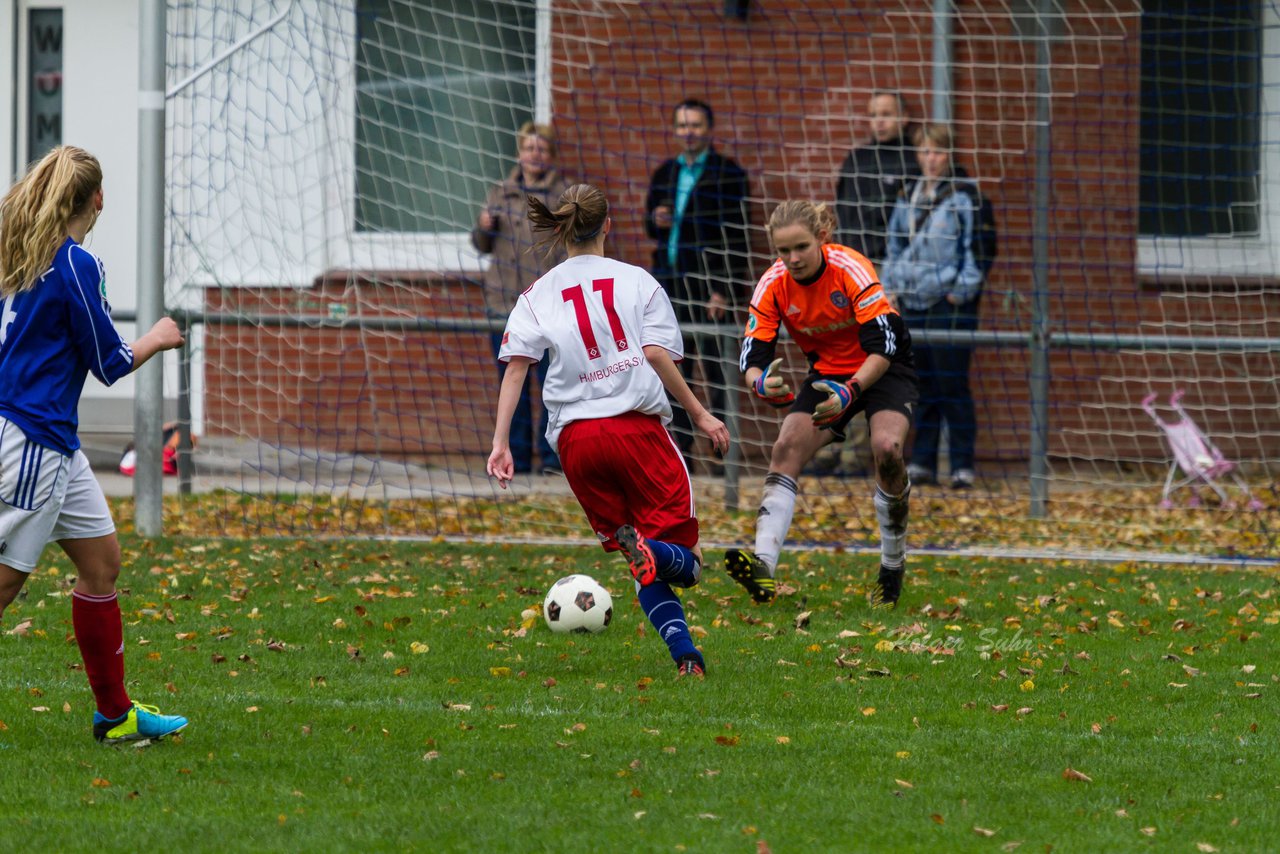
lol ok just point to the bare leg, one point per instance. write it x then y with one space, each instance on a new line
11 581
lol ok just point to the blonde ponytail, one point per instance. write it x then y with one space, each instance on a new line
35 213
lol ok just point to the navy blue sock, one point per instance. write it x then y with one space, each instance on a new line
675 564
662 606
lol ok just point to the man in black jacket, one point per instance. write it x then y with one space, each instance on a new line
870 179
872 176
696 211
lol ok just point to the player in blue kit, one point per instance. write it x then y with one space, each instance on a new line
55 329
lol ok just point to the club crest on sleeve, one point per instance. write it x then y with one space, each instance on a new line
506 336
839 300
752 322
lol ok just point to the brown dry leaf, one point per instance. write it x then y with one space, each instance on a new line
456 707
1147 831
1001 707
938 819
903 784
1073 774
782 739
100 783
1025 710
762 847
400 671
868 711
1205 847
21 630
802 619
1011 846
727 740
982 831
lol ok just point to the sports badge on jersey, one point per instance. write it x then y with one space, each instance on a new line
102 284
839 300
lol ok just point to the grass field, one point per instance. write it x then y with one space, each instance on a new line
385 696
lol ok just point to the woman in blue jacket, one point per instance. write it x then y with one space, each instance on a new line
932 273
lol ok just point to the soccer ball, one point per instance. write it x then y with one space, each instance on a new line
577 603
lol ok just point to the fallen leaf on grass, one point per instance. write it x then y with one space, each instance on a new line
1147 831
903 783
21 630
727 740
1205 847
1073 774
938 819
982 831
100 783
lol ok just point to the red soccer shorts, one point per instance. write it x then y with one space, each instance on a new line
626 470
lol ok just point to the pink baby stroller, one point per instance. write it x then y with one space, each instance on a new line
1195 456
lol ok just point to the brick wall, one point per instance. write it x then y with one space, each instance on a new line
789 86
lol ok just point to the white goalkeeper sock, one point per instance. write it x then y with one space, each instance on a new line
774 517
891 513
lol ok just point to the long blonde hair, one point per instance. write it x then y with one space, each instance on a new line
35 212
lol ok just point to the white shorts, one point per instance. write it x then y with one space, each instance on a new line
44 496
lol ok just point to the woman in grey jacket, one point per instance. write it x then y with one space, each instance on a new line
503 232
932 273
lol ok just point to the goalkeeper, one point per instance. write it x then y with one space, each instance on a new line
859 351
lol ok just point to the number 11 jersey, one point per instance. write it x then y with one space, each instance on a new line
593 316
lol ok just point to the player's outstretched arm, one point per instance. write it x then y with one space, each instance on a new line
165 335
674 383
500 464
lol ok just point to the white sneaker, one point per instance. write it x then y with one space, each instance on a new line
920 475
962 479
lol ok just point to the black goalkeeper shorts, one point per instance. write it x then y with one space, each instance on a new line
898 391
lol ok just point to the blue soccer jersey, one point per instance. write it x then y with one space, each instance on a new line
51 338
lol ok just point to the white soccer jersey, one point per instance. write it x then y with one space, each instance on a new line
594 316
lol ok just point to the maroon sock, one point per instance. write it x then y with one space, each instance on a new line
100 634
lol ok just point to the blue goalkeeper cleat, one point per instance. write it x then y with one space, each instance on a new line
141 723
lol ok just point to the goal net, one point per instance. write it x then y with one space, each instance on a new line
329 164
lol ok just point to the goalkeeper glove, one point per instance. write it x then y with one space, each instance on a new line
840 396
773 389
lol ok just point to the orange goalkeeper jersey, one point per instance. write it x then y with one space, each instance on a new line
836 320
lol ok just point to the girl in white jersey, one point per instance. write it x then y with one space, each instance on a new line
612 340
54 330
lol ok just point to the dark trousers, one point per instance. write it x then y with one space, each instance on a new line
944 386
701 350
522 436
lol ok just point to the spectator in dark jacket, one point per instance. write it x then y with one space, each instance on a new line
872 176
696 211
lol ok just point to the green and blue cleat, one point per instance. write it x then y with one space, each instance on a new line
140 723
